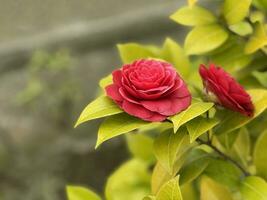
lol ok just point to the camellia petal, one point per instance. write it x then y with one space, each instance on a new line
149 89
230 94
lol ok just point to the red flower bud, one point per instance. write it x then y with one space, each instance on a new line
228 92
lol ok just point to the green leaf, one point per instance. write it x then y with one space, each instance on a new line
232 120
241 146
117 125
199 126
260 155
203 39
195 109
192 2
261 77
80 193
228 139
233 57
168 145
100 107
174 53
193 16
149 198
130 181
131 51
141 146
242 28
198 161
258 40
254 188
107 80
170 190
189 191
235 11
210 190
159 176
223 172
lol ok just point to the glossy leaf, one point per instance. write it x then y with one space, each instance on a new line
192 2
211 190
254 188
141 146
235 11
198 161
242 28
117 125
133 51
258 40
107 80
174 53
261 77
195 109
260 155
130 181
212 36
223 172
232 120
199 126
170 190
241 146
100 107
159 177
168 145
232 57
80 193
193 16
149 198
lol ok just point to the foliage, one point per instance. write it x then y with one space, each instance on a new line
205 145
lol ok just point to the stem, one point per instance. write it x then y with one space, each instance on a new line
226 157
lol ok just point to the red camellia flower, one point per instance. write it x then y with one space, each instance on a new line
226 90
149 89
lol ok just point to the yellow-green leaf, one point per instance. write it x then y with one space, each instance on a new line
211 190
159 176
197 162
232 120
254 188
192 2
199 126
195 109
235 11
107 80
117 125
170 190
168 145
80 193
174 53
242 28
133 51
258 40
193 16
241 146
260 155
261 77
223 172
141 146
130 181
203 39
100 107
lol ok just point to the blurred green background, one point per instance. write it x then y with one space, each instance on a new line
52 55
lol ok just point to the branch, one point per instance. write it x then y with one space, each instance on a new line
226 157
